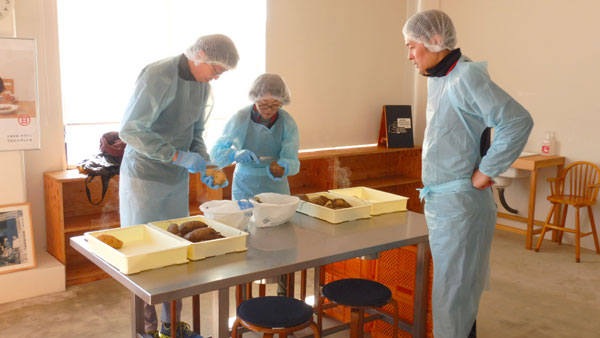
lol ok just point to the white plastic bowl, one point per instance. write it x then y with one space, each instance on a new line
273 209
227 212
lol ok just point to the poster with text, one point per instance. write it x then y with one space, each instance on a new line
19 115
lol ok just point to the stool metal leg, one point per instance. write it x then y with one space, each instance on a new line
395 306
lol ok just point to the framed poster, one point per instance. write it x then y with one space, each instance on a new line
19 116
17 251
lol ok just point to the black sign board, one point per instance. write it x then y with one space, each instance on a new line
396 130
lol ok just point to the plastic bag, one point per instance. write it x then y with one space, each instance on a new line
271 209
233 213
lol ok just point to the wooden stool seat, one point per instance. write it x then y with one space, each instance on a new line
274 315
359 295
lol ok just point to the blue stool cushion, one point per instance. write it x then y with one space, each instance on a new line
274 311
357 292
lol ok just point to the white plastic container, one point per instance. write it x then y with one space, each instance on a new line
144 248
273 209
381 202
234 241
359 209
233 213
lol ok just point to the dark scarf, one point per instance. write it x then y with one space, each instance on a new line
255 116
183 69
445 66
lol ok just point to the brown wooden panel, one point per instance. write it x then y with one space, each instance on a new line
315 175
76 203
53 197
79 269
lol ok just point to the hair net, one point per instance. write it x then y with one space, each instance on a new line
433 28
218 49
270 85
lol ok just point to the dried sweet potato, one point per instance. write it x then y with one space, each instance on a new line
173 228
202 234
190 226
276 169
111 240
219 177
340 203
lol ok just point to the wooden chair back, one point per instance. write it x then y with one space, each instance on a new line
9 84
580 179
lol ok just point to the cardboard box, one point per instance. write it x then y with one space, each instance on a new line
144 248
359 209
234 241
381 202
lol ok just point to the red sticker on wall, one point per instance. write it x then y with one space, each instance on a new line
24 119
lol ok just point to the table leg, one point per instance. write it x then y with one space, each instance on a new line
173 318
137 315
196 313
531 211
421 290
317 285
220 312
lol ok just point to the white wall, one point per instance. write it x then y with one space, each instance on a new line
37 19
343 60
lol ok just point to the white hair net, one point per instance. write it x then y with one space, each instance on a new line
270 86
432 28
216 49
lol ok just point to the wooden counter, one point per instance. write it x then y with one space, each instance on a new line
534 164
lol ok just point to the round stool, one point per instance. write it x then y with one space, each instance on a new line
274 315
359 295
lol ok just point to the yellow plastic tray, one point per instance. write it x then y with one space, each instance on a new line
381 202
144 248
234 241
359 209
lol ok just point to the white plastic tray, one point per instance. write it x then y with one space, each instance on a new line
234 241
381 202
359 209
144 248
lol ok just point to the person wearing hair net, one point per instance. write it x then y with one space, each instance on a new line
163 126
459 205
254 137
258 134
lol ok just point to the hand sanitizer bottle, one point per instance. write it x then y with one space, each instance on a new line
548 144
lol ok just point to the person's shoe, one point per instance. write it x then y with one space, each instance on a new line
183 330
154 333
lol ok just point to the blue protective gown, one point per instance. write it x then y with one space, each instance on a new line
281 141
460 218
166 113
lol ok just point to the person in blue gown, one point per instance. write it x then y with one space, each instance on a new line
459 206
163 126
257 135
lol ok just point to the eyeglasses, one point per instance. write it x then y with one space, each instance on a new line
269 106
215 72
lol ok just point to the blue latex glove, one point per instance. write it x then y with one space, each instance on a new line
209 181
193 162
245 156
285 172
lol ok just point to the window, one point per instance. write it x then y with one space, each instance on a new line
105 44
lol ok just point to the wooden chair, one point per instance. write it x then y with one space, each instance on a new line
272 315
578 187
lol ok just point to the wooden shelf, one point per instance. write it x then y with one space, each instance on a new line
382 182
94 222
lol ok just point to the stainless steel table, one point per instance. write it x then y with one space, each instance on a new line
304 242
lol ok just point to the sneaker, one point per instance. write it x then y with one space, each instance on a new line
153 334
183 330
